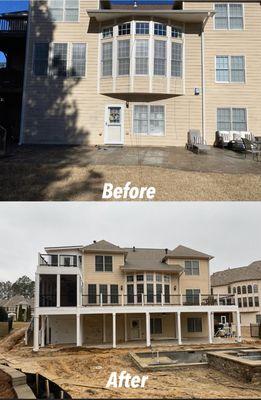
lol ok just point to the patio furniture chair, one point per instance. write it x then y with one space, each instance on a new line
251 147
196 142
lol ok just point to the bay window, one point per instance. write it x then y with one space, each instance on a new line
107 59
176 60
124 57
149 120
160 57
142 28
142 57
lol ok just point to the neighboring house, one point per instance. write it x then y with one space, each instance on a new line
245 284
13 28
102 293
15 303
103 73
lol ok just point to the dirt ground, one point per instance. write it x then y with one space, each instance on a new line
85 372
6 391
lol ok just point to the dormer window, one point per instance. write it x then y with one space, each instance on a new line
124 29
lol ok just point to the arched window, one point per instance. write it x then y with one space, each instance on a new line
2 60
255 287
239 290
249 289
244 289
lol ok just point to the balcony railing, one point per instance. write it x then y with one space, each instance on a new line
158 300
13 25
59 260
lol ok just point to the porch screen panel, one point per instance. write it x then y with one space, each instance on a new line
223 119
124 57
157 120
239 119
141 114
78 59
236 16
222 69
41 53
176 60
107 59
237 69
142 57
160 57
221 16
60 59
114 294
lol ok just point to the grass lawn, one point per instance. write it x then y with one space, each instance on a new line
58 182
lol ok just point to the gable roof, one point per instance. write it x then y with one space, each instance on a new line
228 276
15 301
148 260
186 252
103 246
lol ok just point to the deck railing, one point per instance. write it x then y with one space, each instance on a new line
59 260
158 300
13 24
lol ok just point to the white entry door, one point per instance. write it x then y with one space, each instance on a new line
135 329
114 126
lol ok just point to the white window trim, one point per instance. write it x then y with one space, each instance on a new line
228 16
235 106
63 21
190 260
148 134
104 271
69 60
141 35
130 57
230 82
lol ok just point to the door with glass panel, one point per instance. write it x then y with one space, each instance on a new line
114 125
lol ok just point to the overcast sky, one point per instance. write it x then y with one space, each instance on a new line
228 231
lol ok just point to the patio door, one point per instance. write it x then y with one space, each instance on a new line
114 125
135 329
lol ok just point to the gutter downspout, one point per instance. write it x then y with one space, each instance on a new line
203 74
21 139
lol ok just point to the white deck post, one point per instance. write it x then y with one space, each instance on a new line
179 328
37 290
148 329
114 330
209 328
104 327
79 294
58 296
42 330
78 331
239 338
36 333
125 328
212 325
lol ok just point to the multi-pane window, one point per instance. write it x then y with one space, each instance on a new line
92 294
41 53
124 29
64 10
258 318
59 61
107 32
244 301
142 57
229 16
244 289
230 69
194 324
250 301
239 303
231 119
176 32
256 300
114 294
239 290
160 57
160 29
156 326
249 289
255 288
107 59
142 28
78 59
192 267
104 293
192 296
176 60
124 57
103 263
149 120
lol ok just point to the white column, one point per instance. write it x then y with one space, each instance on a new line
212 325
209 328
125 328
114 330
36 333
104 327
43 330
58 291
78 330
37 290
239 338
79 294
148 329
179 328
